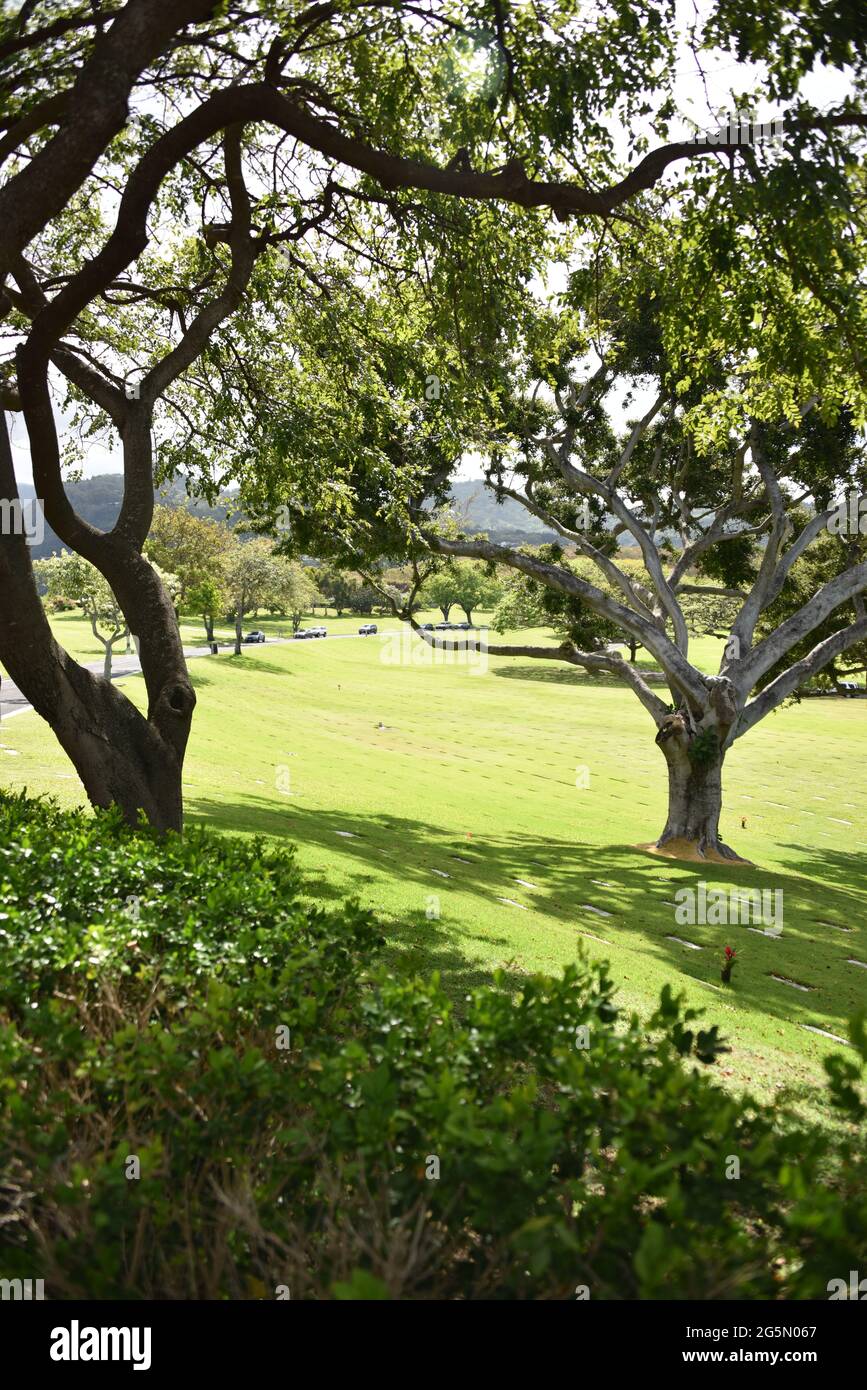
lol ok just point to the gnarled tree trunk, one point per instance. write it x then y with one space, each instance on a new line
123 757
695 761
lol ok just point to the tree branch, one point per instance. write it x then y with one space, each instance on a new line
789 680
678 670
750 669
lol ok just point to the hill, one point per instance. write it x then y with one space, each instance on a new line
98 500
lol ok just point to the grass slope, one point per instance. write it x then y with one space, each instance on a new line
446 799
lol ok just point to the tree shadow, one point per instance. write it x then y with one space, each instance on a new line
614 896
238 665
548 675
847 870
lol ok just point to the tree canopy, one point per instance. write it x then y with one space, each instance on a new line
209 209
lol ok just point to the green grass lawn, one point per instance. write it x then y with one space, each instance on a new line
445 798
74 633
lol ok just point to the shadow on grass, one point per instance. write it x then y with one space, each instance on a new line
848 872
555 675
616 895
239 665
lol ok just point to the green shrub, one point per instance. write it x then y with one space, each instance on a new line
144 984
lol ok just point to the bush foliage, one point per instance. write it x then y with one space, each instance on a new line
146 986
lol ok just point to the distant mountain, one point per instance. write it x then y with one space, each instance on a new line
98 500
477 509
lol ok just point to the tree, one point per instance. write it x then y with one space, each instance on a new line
208 598
189 546
68 576
709 611
727 474
439 592
304 106
290 590
249 575
362 597
828 559
748 491
474 589
336 587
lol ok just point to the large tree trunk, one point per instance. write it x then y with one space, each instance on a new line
122 757
695 764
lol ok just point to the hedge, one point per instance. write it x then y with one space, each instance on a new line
211 1087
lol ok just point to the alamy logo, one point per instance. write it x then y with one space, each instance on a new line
855 1289
26 1289
737 128
404 648
849 517
718 907
22 519
76 1343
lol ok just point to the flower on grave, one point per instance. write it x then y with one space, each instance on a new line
728 963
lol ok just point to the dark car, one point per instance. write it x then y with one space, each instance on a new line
367 629
257 636
426 627
302 633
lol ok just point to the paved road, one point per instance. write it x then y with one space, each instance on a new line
12 701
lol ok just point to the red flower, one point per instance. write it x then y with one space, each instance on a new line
730 954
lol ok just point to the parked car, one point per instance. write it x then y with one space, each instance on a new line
850 688
302 633
426 627
257 636
317 631
367 629
444 627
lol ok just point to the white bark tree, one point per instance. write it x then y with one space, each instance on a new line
706 713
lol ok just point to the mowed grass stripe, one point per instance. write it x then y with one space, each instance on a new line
481 768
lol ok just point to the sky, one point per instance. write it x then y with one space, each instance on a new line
698 99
